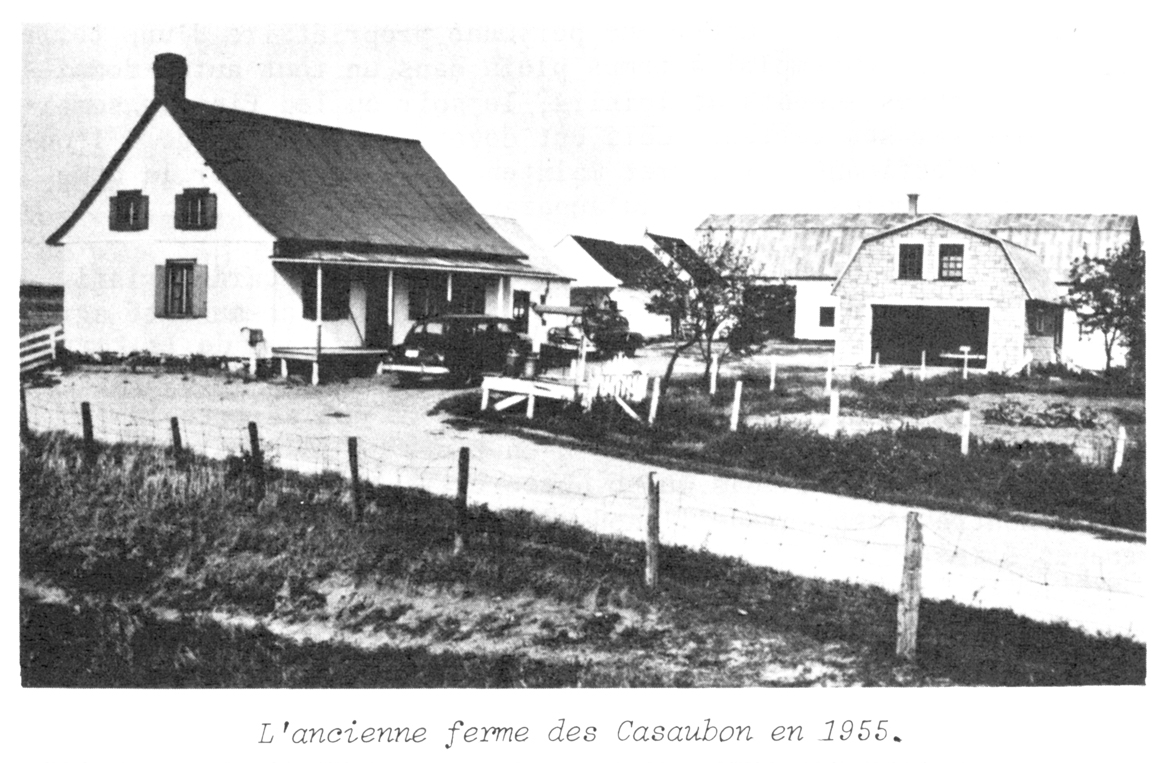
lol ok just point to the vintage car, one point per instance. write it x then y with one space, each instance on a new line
459 348
606 332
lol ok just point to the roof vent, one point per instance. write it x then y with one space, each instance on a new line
170 77
913 204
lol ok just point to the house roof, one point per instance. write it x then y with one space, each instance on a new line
458 263
820 245
539 257
312 183
628 263
1037 281
686 257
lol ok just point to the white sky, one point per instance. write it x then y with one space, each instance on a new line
584 126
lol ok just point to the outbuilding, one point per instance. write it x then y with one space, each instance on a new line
932 289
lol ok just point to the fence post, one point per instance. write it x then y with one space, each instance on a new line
829 380
257 460
461 499
88 449
772 379
714 374
1119 453
834 411
965 442
654 392
355 477
735 405
653 503
176 440
911 593
922 372
531 407
24 414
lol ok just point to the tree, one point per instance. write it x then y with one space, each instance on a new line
1109 295
704 302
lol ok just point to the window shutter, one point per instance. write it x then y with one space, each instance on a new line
210 211
145 213
160 291
199 293
178 211
113 213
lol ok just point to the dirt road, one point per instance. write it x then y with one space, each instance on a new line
1042 573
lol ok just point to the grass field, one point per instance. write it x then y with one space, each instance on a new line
174 575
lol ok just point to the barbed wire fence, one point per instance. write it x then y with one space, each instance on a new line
870 553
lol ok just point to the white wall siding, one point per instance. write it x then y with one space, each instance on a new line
811 296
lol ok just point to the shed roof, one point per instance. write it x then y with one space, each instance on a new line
686 257
820 245
629 263
310 182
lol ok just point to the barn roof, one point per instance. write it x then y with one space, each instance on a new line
1036 279
330 186
820 245
629 263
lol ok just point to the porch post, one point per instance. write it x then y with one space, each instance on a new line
450 288
390 303
317 357
500 310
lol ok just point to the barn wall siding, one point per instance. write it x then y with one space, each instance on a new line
811 296
988 281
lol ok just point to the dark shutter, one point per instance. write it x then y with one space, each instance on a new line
113 213
209 211
199 293
179 211
145 223
160 291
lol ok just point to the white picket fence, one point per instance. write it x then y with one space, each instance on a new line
39 348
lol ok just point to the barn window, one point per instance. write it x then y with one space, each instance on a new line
334 296
1041 318
828 317
910 261
950 262
195 209
129 210
180 290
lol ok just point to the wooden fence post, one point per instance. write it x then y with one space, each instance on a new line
176 440
355 478
965 442
654 393
1119 453
772 379
89 450
461 499
714 374
735 405
257 461
653 503
829 380
911 594
834 411
531 407
24 414
922 372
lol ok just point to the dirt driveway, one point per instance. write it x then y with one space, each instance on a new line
1043 573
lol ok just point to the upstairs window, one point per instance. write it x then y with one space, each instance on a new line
180 290
129 210
195 209
950 262
910 261
828 317
334 296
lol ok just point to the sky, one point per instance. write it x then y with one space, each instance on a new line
579 125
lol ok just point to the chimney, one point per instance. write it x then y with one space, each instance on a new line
913 204
170 77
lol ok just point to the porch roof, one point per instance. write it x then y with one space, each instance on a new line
401 261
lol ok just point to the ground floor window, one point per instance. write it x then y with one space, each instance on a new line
520 303
1042 318
180 289
828 317
334 295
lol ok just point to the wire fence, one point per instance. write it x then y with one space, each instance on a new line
1041 573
